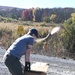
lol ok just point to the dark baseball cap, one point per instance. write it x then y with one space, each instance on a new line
34 31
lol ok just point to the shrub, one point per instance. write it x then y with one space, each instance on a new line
69 36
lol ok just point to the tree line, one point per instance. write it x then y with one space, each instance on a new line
57 15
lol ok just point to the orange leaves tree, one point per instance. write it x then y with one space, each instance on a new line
27 15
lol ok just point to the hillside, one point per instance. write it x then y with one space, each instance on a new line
5 8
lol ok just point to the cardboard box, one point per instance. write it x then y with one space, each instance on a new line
38 68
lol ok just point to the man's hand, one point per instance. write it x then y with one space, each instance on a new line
27 66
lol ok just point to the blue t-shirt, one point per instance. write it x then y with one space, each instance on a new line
20 45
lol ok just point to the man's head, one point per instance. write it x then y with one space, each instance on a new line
33 31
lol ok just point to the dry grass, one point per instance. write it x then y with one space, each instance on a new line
14 26
8 32
8 25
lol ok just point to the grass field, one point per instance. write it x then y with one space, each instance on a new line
8 33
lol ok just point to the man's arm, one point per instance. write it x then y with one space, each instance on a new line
27 54
27 58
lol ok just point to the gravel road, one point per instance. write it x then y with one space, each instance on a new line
57 66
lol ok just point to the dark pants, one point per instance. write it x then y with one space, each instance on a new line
13 65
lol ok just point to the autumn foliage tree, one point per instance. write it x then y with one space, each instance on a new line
27 15
52 17
37 13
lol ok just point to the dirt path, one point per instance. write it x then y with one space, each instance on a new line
57 66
